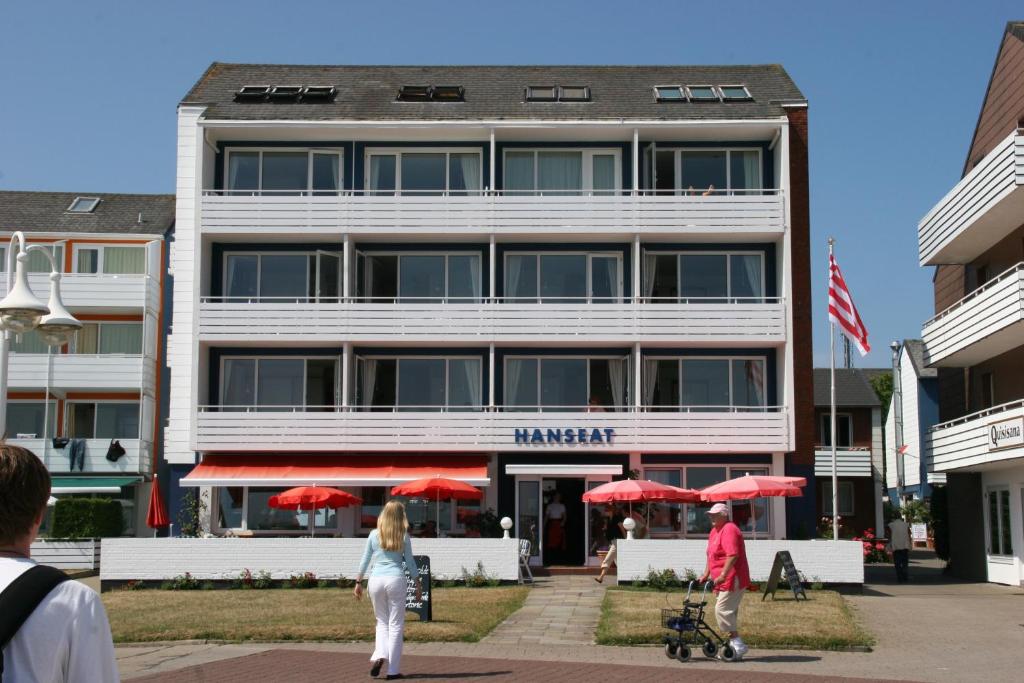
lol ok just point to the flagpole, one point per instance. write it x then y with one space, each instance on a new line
832 418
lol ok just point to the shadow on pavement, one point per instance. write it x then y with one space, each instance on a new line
782 659
450 676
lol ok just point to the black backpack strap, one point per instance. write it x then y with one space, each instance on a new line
19 600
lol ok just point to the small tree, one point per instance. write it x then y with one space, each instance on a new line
882 384
191 515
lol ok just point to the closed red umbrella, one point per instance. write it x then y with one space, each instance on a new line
156 514
312 498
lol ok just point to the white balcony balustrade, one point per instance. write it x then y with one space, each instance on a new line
137 458
99 293
707 429
980 210
734 213
987 322
850 462
735 321
994 435
82 372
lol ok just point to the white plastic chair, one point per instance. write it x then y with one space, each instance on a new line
524 560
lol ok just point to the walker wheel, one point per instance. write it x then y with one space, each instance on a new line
729 654
683 653
670 650
710 649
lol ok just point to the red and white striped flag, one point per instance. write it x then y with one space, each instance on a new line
841 310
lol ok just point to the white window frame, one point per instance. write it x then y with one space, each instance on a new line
99 338
398 370
683 96
728 269
989 522
310 274
732 399
826 424
731 472
256 377
42 403
97 401
726 98
542 357
728 189
446 254
219 528
53 247
717 96
397 152
826 496
101 249
590 255
310 151
587 177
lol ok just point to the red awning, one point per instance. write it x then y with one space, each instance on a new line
336 470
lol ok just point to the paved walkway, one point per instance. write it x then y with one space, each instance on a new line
560 610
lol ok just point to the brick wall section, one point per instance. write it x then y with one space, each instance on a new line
800 246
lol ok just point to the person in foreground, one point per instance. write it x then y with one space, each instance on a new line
727 567
51 629
386 548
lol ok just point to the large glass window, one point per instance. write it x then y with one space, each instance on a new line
110 260
592 384
29 342
27 417
103 420
424 173
665 517
420 278
845 497
298 276
109 338
262 517
563 278
230 504
1000 540
707 172
283 172
420 383
279 383
697 521
710 383
37 261
697 276
562 172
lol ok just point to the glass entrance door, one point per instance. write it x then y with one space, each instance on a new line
528 519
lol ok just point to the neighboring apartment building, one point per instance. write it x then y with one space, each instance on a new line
913 411
104 385
533 279
858 449
974 236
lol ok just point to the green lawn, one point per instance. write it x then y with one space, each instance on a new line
824 622
460 614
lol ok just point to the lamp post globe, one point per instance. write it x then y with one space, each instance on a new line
58 326
20 310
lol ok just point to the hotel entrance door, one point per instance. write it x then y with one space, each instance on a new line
564 530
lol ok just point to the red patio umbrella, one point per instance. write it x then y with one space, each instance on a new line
437 489
156 515
312 498
753 486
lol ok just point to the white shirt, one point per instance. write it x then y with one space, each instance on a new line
556 511
899 535
67 638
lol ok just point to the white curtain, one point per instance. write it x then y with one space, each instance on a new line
123 338
513 374
87 338
473 382
560 172
611 266
519 172
470 167
382 166
124 260
751 172
368 380
368 277
603 180
513 273
750 272
650 269
474 274
617 377
650 376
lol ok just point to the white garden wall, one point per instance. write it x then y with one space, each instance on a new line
84 554
826 561
155 559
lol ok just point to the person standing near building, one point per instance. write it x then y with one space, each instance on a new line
554 530
900 544
727 567
386 549
614 532
65 635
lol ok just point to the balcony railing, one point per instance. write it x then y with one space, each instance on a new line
738 321
367 212
850 462
986 323
86 292
980 210
137 459
703 429
82 372
988 436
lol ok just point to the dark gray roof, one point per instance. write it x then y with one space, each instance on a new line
915 350
852 389
493 92
116 213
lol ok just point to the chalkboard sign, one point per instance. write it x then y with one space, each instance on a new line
423 607
784 563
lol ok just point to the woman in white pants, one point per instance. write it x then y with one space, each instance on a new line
387 548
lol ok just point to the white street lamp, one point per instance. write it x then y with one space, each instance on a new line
21 311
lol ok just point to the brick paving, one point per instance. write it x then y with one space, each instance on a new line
560 610
297 666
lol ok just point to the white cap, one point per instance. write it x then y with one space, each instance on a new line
718 509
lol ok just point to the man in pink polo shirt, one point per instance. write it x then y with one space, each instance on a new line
727 567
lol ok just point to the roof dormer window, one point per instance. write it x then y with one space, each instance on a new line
84 205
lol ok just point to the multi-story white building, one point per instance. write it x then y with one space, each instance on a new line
534 279
104 385
975 238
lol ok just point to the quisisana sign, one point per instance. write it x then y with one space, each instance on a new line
566 435
1006 433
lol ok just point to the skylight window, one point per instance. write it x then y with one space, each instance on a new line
252 93
318 93
284 93
670 93
559 93
84 205
541 93
414 93
735 92
702 93
448 93
574 93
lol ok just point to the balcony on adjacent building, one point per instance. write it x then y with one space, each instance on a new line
988 437
738 321
850 462
984 324
137 458
980 210
732 215
554 430
98 293
81 372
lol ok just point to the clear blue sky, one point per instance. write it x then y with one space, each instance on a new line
89 90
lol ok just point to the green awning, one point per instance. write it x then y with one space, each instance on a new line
91 484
